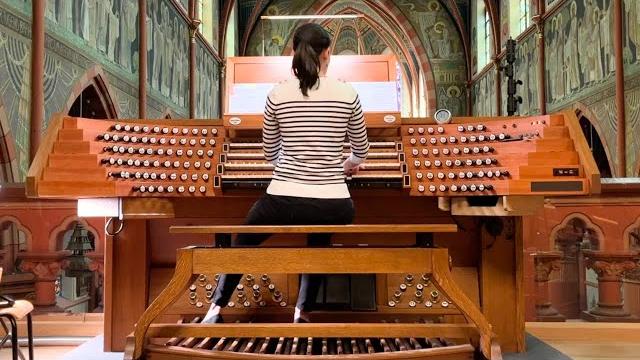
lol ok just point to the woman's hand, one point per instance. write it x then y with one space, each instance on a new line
351 168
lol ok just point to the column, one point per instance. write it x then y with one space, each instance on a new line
542 83
46 267
610 267
142 59
193 29
621 141
37 76
546 262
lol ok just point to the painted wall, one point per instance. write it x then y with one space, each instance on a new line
483 94
432 22
81 35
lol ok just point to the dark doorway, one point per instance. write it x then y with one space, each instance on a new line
597 149
89 105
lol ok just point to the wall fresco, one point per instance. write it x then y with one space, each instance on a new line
167 52
207 84
574 70
483 95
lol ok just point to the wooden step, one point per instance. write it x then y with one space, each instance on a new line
70 135
553 158
552 132
73 161
546 171
71 147
64 174
557 144
74 188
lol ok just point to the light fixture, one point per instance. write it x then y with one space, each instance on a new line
310 17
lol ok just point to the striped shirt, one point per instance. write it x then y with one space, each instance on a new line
304 138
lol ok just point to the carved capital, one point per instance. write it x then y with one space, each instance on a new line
45 266
96 263
611 264
546 263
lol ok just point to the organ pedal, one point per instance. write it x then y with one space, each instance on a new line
318 339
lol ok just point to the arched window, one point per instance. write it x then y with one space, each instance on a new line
519 17
482 29
208 12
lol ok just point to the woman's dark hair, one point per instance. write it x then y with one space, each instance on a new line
309 41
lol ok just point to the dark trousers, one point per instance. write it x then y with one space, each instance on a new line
287 210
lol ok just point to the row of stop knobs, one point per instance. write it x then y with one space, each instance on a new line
163 130
251 292
456 188
419 296
154 141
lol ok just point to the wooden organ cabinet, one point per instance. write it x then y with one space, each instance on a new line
479 175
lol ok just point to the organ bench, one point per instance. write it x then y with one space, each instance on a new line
482 174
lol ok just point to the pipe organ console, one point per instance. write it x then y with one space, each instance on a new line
448 177
174 172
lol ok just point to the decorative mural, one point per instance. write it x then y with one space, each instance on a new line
167 52
573 70
632 109
631 37
483 95
443 45
15 60
107 26
372 43
346 42
207 84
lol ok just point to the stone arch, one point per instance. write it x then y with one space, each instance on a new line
598 234
632 236
95 77
14 220
8 161
392 16
54 235
582 110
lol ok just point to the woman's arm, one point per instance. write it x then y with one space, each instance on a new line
271 137
357 134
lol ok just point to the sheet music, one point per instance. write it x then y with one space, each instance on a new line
374 96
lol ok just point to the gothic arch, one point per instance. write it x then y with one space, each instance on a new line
95 77
12 219
8 160
392 16
64 225
584 218
631 239
582 110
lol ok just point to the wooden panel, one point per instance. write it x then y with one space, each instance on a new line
286 261
294 229
40 160
312 330
126 282
499 294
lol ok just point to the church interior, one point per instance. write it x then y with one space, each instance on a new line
496 216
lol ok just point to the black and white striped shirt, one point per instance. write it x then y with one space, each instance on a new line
304 137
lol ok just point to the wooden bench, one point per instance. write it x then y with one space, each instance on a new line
192 261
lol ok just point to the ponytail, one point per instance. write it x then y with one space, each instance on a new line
309 41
